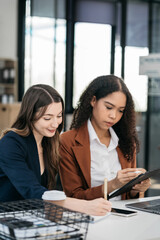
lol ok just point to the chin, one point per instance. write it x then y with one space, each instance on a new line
49 135
105 128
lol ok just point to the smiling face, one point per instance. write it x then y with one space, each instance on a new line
107 111
49 122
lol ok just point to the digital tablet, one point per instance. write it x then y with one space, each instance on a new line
127 187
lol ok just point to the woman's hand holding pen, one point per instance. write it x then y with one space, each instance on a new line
98 207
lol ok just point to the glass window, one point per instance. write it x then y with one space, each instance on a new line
137 45
45 44
137 84
92 53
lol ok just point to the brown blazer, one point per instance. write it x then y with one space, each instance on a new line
75 165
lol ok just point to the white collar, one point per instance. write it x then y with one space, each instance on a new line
93 134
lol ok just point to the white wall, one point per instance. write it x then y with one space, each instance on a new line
8 28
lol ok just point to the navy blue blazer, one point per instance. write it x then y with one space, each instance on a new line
20 176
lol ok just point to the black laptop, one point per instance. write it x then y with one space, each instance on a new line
152 206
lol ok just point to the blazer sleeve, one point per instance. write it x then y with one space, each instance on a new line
13 154
73 181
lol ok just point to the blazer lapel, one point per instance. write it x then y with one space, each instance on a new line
82 153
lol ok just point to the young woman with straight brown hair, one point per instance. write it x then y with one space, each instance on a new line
29 151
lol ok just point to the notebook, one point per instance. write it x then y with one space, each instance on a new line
152 206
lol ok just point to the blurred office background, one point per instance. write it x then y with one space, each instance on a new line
67 43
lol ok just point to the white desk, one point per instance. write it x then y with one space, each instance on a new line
143 226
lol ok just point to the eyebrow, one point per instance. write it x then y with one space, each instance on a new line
112 104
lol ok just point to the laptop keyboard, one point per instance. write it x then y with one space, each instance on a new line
154 209
152 206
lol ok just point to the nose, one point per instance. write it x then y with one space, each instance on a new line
113 114
55 123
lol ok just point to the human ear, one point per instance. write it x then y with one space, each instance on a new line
92 102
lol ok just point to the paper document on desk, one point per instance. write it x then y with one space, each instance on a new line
95 219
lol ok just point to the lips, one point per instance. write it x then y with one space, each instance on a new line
109 124
52 131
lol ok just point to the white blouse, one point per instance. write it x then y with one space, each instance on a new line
104 160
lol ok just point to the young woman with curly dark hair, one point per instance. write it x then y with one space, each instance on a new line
102 142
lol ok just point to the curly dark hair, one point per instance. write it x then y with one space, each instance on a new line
126 127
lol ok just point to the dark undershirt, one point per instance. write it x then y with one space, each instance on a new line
44 179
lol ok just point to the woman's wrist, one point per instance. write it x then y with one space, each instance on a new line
112 186
74 204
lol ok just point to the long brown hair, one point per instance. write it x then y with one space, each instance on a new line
126 127
36 99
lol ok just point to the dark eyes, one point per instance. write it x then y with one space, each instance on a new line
110 108
47 119
121 111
